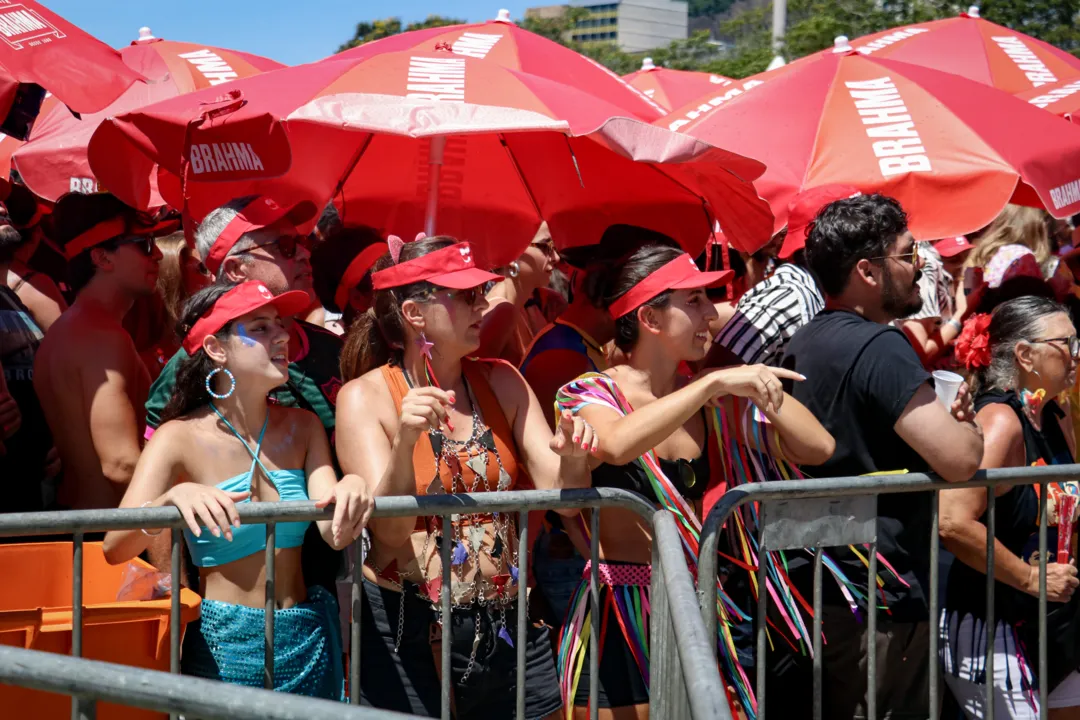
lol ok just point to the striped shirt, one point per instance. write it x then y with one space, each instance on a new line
935 285
768 315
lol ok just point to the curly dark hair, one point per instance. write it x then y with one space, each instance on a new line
190 391
850 230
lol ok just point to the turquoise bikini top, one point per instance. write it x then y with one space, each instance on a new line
209 551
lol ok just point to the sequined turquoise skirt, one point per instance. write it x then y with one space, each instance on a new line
226 644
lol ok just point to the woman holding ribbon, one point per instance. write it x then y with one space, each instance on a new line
222 443
678 441
419 416
1022 357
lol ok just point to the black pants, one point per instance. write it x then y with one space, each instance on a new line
407 680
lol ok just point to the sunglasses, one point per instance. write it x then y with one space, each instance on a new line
286 246
911 258
1072 342
145 243
470 296
545 246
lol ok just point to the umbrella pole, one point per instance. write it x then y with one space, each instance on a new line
435 162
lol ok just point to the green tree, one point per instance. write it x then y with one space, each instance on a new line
378 29
1054 21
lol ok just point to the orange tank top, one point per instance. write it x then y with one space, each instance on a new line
475 373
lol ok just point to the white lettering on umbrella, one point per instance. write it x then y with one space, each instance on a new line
1056 94
883 111
1026 59
224 157
1065 195
436 79
713 103
20 27
476 45
19 22
85 185
211 66
891 38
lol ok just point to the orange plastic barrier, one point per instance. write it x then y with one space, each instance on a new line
36 613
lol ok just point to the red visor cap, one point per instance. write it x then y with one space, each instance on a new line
243 299
452 267
682 273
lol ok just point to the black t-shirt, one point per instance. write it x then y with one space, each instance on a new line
860 375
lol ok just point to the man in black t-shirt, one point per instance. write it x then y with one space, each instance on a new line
865 383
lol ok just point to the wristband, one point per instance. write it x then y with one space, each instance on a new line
955 324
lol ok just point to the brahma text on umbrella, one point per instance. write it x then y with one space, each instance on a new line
224 157
885 115
1033 68
436 79
1052 96
713 103
476 45
19 25
1065 195
211 65
887 40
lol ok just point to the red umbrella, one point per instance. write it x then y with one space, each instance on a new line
674 88
1061 98
504 43
434 141
54 161
41 48
946 147
977 49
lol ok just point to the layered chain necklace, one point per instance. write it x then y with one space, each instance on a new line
468 538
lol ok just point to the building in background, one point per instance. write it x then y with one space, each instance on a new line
633 25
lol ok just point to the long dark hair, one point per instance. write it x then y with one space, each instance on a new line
190 390
618 280
378 336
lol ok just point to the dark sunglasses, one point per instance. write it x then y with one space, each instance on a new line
545 246
286 246
1072 342
470 296
145 243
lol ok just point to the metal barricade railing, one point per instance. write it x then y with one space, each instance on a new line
678 665
788 519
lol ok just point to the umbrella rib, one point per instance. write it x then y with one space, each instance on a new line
340 189
521 176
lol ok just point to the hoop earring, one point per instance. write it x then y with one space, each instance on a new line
210 383
513 269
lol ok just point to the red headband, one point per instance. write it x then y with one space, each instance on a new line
452 267
236 303
262 212
356 271
682 273
114 227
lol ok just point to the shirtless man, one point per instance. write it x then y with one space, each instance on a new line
87 373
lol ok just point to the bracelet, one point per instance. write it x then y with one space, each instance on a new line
955 324
143 530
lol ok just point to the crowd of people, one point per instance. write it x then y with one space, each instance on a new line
148 364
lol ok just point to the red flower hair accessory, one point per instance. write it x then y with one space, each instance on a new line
973 345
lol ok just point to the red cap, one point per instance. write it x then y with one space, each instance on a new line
356 271
682 273
262 212
949 247
802 210
244 298
452 267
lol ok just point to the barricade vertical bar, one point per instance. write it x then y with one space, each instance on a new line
1044 670
871 633
991 529
762 609
935 544
87 707
597 618
660 700
78 704
271 605
523 607
817 633
174 609
444 616
354 621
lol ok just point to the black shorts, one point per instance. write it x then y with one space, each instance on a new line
621 683
407 681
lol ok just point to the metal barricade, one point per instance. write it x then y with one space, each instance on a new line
685 682
788 518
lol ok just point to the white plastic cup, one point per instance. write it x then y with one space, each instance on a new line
947 386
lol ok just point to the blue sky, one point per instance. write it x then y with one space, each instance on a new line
289 31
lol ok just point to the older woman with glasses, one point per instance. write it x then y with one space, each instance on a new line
1022 357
